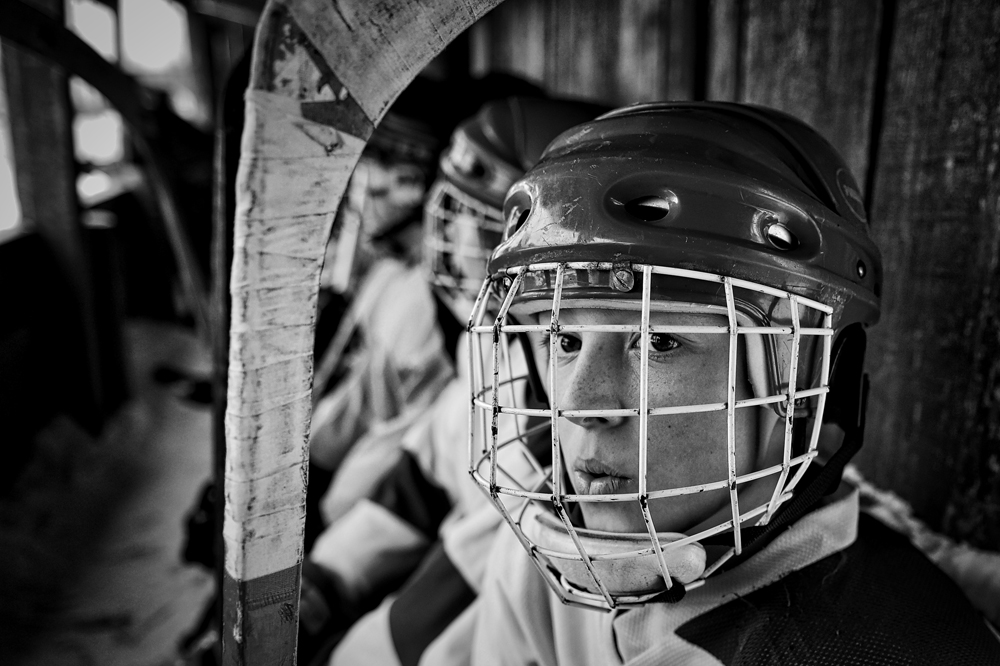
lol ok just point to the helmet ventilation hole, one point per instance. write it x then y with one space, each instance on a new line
862 269
516 209
648 209
476 170
781 237
518 217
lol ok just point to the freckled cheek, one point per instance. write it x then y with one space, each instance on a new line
692 449
687 449
691 384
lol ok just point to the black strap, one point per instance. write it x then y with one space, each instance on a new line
431 600
413 497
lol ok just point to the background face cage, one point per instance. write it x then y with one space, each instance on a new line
604 570
460 233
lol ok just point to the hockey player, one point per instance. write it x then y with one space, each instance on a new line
698 279
388 358
393 351
427 496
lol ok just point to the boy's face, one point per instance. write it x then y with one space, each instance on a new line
392 192
601 370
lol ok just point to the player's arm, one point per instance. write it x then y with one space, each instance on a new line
369 553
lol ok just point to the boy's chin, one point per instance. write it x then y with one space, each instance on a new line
617 518
626 518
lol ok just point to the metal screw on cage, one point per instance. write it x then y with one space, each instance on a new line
622 279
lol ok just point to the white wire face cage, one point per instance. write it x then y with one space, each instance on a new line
460 233
608 570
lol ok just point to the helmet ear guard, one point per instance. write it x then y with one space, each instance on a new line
845 404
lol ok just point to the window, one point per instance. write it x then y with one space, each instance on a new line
10 206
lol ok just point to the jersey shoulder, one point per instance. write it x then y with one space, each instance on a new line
879 601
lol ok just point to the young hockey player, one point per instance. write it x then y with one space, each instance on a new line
427 496
698 278
388 358
393 351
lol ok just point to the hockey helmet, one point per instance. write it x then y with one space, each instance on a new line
741 218
463 219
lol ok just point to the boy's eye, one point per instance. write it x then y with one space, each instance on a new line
662 342
569 344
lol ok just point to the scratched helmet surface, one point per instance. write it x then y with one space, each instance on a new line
726 211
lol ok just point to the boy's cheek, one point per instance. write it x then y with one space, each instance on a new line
540 353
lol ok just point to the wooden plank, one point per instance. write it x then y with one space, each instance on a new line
934 425
512 39
933 404
682 36
725 50
621 53
816 60
322 76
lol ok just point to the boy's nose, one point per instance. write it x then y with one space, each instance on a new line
597 382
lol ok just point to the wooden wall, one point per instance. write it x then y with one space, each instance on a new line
936 208
614 52
909 92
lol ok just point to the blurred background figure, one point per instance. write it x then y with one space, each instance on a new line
394 346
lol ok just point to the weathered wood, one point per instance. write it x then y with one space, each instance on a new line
621 53
816 60
934 426
512 38
323 75
725 47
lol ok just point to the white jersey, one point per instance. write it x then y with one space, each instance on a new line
440 444
397 369
521 621
834 588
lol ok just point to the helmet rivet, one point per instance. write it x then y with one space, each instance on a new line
862 269
781 236
622 279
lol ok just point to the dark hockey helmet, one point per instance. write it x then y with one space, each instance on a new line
732 209
488 152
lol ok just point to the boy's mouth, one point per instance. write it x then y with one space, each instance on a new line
597 478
